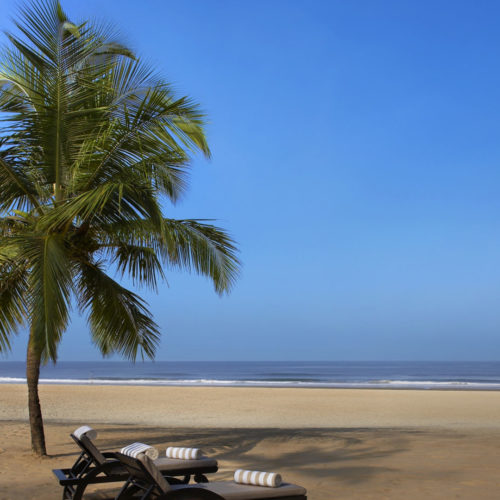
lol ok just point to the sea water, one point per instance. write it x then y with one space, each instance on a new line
340 374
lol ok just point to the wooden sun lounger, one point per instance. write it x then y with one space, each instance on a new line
94 467
147 483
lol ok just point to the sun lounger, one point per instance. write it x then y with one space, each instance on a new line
147 483
93 467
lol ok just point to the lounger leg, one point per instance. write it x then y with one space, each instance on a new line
87 479
68 493
129 493
122 493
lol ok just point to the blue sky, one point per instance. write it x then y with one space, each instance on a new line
356 162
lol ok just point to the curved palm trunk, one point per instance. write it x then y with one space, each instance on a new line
33 359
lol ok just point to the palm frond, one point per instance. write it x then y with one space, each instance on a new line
13 294
150 127
108 203
118 318
17 190
208 250
50 283
187 244
139 262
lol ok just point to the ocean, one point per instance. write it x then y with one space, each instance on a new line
340 374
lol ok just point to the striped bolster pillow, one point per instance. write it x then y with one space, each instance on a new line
85 430
135 449
270 479
183 453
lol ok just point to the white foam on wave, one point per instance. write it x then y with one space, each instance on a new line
12 380
373 384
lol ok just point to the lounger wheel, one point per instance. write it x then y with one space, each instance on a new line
200 478
175 480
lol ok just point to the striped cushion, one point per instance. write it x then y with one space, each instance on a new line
184 453
270 479
135 449
85 430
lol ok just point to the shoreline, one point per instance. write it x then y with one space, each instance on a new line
390 386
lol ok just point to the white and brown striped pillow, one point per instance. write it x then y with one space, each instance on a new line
135 449
269 479
85 430
184 453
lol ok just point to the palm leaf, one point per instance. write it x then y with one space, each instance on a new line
118 319
17 191
208 250
13 292
189 244
50 283
141 263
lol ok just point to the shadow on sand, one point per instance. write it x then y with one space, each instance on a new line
301 454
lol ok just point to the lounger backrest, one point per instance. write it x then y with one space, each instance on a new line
88 447
144 470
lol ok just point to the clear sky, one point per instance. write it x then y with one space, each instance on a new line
356 160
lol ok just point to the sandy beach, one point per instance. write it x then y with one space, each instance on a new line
339 444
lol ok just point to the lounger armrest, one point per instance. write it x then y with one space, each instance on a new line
110 454
64 476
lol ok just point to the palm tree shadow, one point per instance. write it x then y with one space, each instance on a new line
306 454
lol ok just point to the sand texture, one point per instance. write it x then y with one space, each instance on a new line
339 444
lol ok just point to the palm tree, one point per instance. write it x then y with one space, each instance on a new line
93 142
